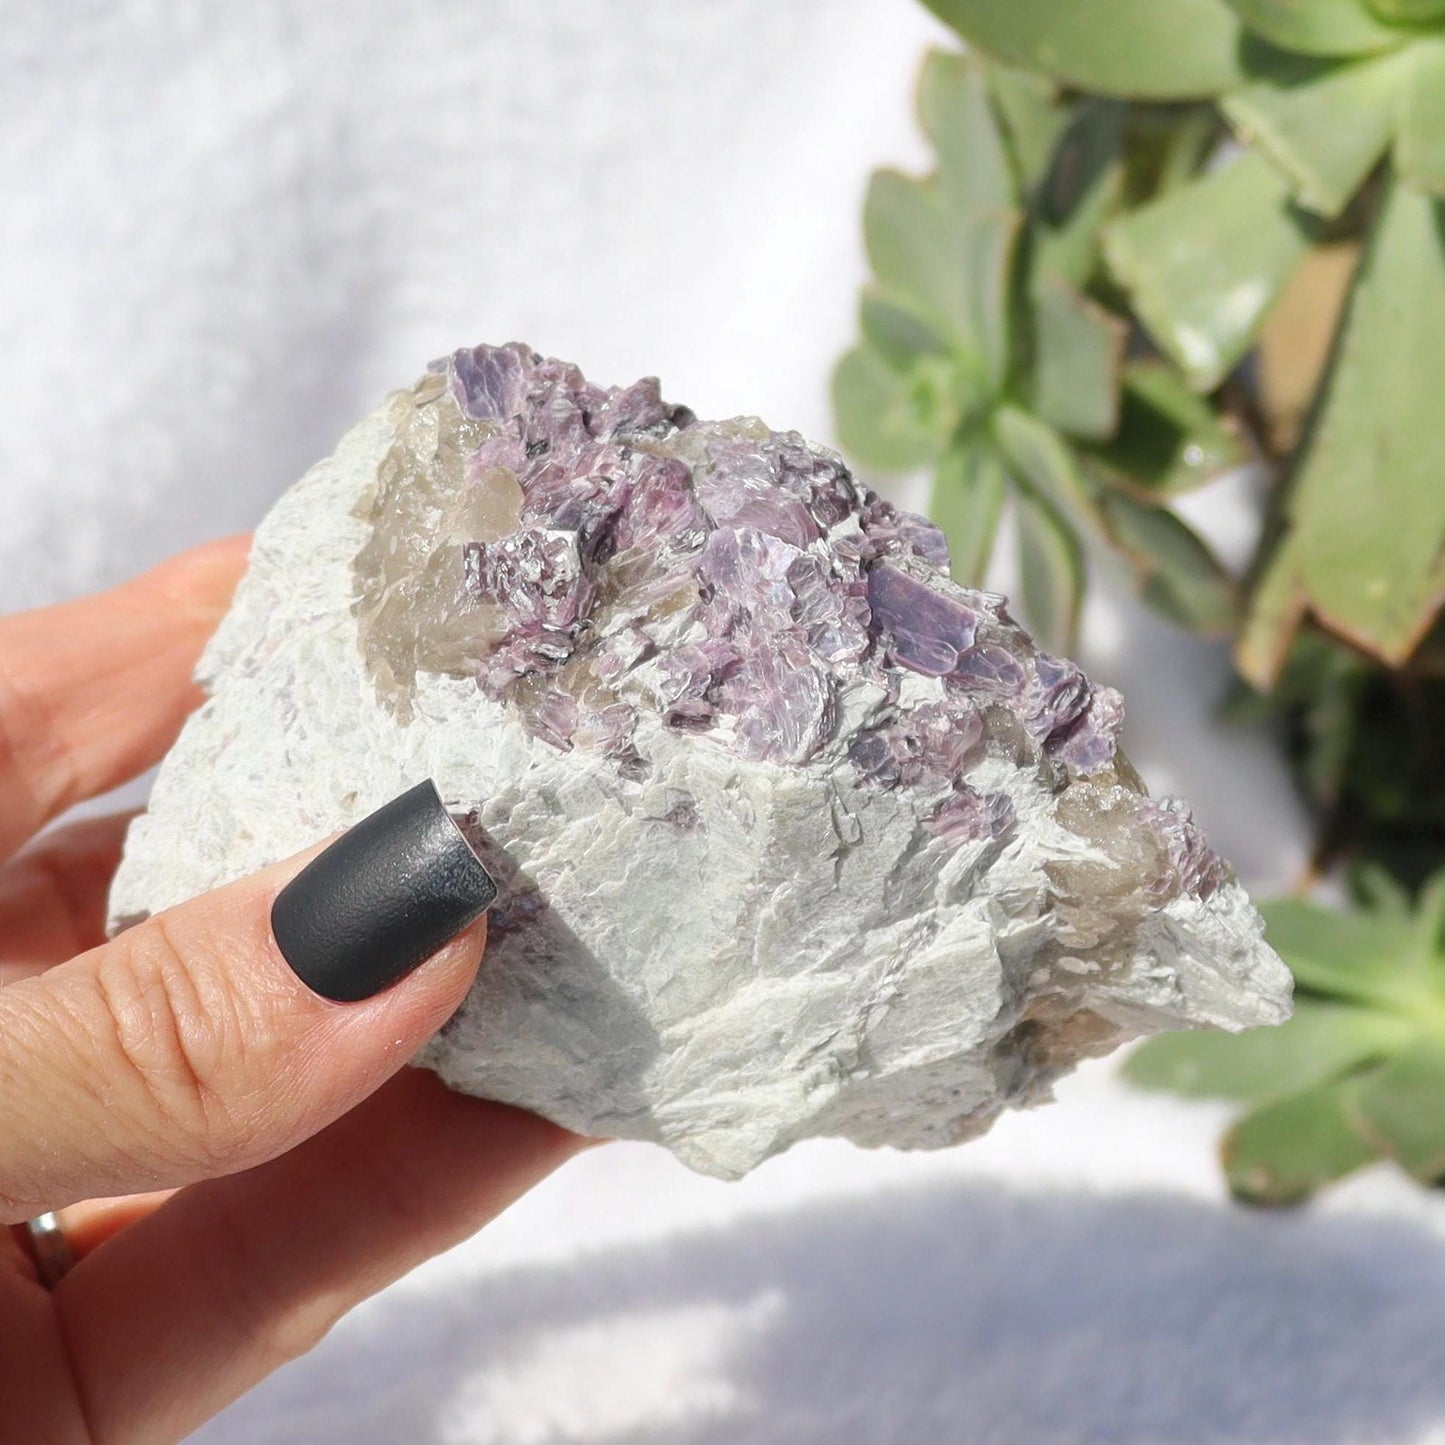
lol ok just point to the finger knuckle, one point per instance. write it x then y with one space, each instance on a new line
31 762
173 1041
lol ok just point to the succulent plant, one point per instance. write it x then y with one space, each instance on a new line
989 353
1358 1073
1338 114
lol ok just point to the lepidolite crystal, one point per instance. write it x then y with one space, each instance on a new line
796 837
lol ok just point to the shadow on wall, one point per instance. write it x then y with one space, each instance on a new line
966 1314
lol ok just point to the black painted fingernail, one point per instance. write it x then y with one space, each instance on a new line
383 898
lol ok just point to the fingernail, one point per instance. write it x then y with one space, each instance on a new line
381 899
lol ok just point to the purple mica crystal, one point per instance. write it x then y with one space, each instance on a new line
556 718
691 674
966 816
490 381
988 668
1199 869
738 583
929 630
1076 721
783 703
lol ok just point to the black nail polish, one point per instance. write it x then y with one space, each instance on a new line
381 899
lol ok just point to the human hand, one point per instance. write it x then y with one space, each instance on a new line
274 1162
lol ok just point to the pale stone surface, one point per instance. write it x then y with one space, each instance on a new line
795 837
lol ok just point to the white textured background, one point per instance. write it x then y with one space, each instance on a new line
225 231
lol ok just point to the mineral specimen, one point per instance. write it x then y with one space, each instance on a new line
796 836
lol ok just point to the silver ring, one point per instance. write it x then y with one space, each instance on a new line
49 1248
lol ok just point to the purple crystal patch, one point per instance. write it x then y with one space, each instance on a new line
739 583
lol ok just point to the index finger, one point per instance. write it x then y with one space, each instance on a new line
92 692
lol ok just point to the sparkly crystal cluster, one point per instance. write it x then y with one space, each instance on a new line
735 582
795 836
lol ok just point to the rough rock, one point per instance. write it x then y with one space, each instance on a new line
796 837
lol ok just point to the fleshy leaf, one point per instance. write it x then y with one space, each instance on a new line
1409 12
1283 1152
1041 460
899 336
988 253
1178 575
1381 892
1317 27
1204 262
1167 147
1345 954
1401 1107
1169 439
1430 925
1420 152
1033 118
1079 193
1051 573
914 252
1325 124
974 176
878 415
1320 1042
1139 48
1369 560
969 484
974 194
1078 352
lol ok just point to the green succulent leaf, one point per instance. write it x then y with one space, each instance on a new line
878 413
1320 1042
1379 891
969 486
974 175
898 335
1346 954
1430 929
1409 12
1324 124
1180 51
915 254
1204 263
1317 27
1284 1151
988 256
1178 575
1363 545
1051 573
1165 146
1033 118
1040 460
1078 354
1420 153
1401 1108
1078 193
1170 440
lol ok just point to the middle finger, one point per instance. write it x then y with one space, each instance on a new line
53 894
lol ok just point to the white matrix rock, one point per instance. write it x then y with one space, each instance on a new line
795 837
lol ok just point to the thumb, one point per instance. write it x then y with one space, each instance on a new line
220 1033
